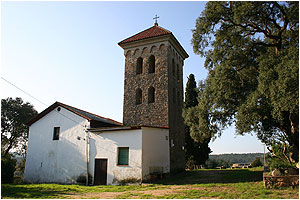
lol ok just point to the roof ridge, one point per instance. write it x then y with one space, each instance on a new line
164 29
87 112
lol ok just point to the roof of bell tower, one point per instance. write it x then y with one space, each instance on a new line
154 31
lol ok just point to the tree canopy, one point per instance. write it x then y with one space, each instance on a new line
252 58
14 133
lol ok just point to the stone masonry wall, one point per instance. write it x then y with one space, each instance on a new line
168 84
176 125
151 114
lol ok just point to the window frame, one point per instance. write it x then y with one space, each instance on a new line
56 133
118 156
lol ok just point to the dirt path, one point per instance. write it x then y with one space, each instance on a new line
176 189
196 184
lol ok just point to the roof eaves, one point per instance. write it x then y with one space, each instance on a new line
71 109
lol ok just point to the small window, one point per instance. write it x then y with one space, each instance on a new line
139 65
56 133
173 67
138 96
151 95
123 155
151 64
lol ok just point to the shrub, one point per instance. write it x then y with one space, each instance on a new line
82 179
256 163
8 167
130 180
190 163
280 157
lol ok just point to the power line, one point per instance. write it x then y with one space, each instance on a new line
40 101
24 91
59 113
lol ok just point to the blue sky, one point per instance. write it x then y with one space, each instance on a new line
68 52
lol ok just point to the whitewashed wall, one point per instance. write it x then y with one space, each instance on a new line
61 161
105 145
156 152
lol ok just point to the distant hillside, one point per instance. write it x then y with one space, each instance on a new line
238 158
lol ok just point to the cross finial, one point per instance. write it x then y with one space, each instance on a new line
155 18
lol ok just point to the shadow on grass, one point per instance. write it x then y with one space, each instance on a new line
212 176
27 192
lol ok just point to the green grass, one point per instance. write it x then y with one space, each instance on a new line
225 184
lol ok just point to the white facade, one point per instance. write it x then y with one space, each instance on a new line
65 160
156 152
59 161
148 153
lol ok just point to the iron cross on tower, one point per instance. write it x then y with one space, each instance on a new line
155 18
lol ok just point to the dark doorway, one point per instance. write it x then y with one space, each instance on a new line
100 175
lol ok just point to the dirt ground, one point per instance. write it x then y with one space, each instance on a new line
188 182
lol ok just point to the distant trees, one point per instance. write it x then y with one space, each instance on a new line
252 57
227 160
196 151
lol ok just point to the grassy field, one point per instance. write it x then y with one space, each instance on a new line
223 184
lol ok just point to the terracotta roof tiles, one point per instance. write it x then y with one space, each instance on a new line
154 31
87 115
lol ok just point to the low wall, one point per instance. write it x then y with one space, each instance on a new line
281 181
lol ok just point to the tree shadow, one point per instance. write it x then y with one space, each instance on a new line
212 176
28 192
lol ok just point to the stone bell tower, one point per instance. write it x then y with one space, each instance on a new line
153 86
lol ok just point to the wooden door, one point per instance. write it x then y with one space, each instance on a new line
100 175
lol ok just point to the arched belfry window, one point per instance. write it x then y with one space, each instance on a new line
139 65
138 96
151 64
151 95
173 67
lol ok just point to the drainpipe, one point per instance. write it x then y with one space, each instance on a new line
87 139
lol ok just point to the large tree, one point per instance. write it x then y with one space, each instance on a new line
251 51
14 133
196 151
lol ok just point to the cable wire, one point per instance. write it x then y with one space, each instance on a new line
61 114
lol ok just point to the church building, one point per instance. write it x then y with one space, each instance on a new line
68 145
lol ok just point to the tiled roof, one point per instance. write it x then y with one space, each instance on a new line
87 115
154 31
103 129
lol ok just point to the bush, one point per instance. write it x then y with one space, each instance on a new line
280 157
190 163
82 179
256 163
8 167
